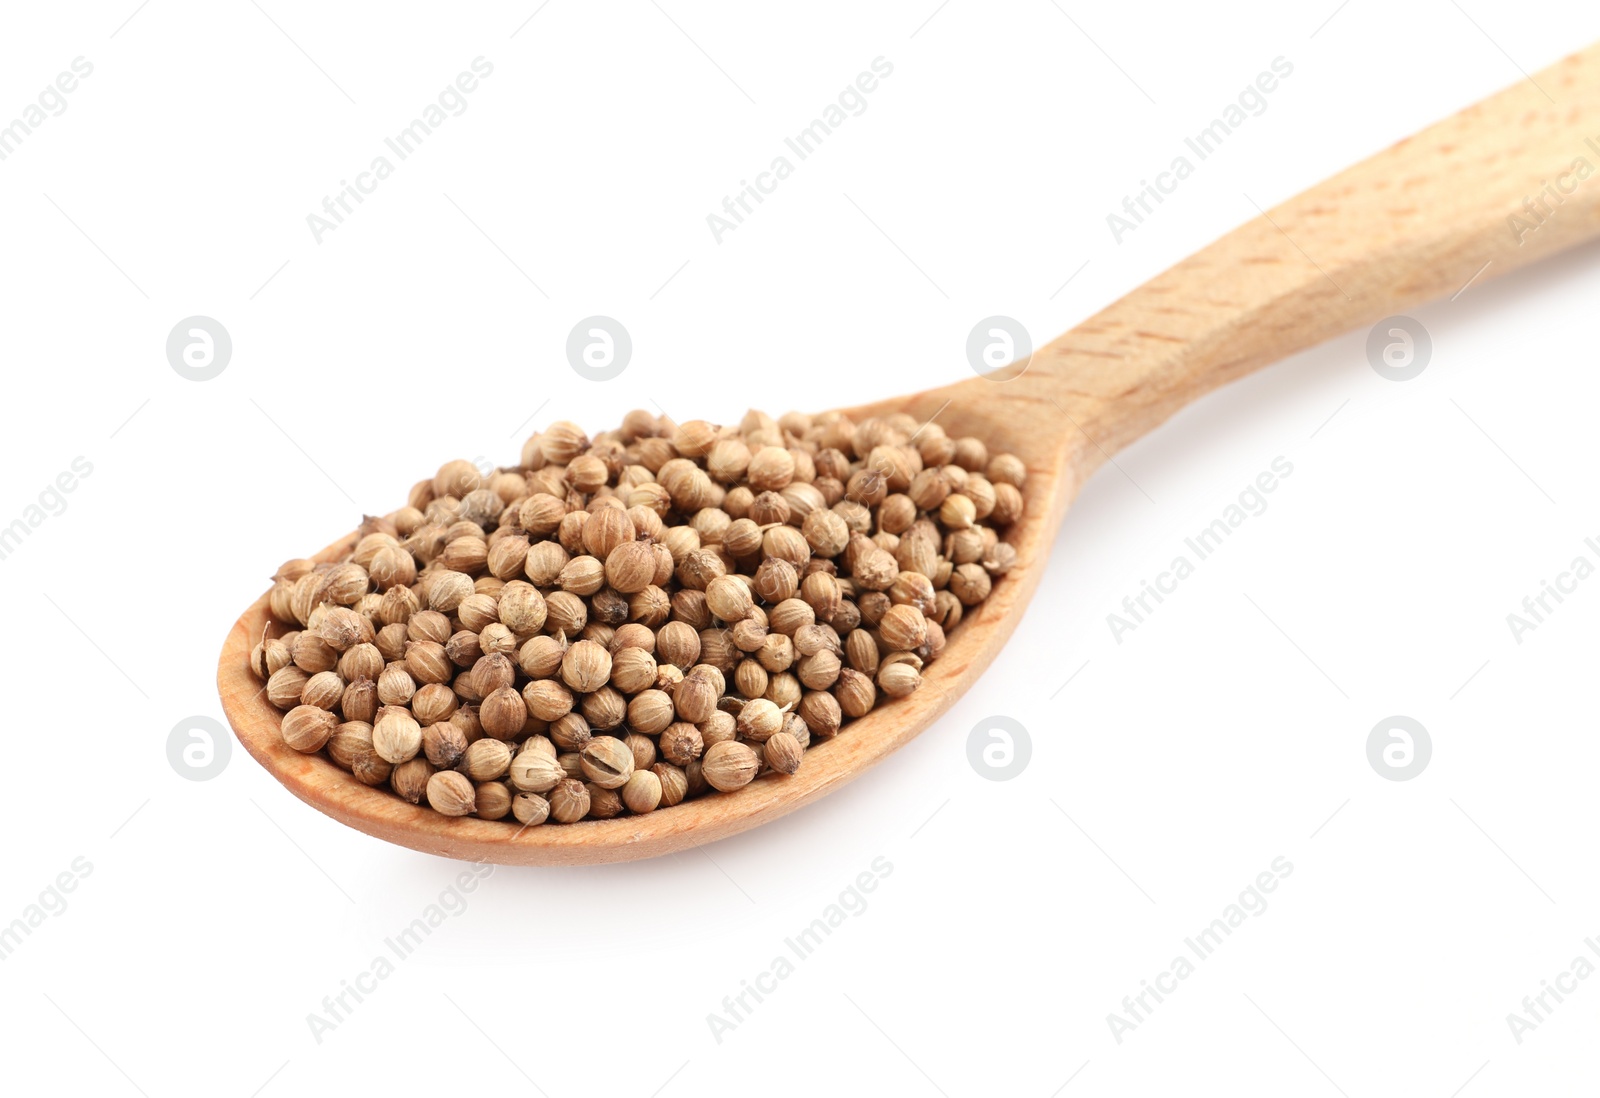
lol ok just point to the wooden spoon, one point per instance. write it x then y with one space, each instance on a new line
1489 190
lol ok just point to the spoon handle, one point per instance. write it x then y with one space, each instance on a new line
1503 183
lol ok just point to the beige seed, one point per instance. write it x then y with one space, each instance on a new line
444 745
308 727
451 794
681 743
569 801
633 669
285 686
607 761
759 720
695 698
349 740
586 666
674 784
492 800
643 748
855 693
448 590
729 598
771 468
729 765
783 752
571 732
487 760
898 680
903 628
410 779
958 512
396 736
821 713
530 809
716 728
323 690
604 804
631 567
547 699
642 791
970 583
535 771
650 711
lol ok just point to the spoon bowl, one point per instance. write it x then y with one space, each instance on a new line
1463 201
864 741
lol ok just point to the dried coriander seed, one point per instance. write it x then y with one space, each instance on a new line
674 785
819 671
970 583
855 693
642 791
729 765
530 809
586 666
359 702
349 740
782 752
678 643
633 669
489 671
491 801
903 628
729 598
899 680
570 732
759 720
569 801
396 736
312 654
451 794
794 726
783 690
285 686
362 661
433 703
427 661
307 728
643 748
410 779
694 775
448 590
695 698
503 714
324 690
535 771
604 804
571 764
718 727
681 743
444 744
486 760
607 762
630 567
547 699
540 657
368 769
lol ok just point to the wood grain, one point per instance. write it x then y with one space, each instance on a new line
1414 223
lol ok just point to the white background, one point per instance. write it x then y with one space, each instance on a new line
1176 765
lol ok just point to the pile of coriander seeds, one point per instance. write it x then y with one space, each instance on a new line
624 622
